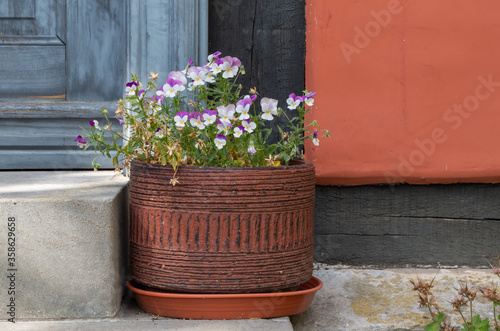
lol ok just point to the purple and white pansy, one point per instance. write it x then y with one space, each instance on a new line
231 120
181 119
269 108
220 141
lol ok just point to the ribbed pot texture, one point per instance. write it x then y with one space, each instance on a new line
222 230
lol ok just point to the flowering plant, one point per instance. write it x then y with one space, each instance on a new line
198 118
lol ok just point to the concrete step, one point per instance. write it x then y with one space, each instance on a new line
62 243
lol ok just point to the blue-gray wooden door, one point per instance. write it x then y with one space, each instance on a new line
62 61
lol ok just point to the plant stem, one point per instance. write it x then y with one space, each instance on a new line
430 311
495 317
463 317
471 317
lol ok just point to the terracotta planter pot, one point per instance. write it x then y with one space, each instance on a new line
222 230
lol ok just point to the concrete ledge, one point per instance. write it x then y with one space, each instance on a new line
67 230
132 318
367 299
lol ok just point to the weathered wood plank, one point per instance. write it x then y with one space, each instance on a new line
51 159
40 135
53 109
164 35
96 49
30 41
408 225
54 133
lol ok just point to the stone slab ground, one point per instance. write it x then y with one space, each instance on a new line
361 299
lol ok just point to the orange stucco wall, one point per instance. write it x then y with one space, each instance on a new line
410 90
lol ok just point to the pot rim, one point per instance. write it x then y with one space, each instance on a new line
316 282
298 164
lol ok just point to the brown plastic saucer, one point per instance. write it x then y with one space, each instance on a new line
227 306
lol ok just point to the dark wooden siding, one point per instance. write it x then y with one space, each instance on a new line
269 39
408 225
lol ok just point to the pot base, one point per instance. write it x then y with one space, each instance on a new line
226 306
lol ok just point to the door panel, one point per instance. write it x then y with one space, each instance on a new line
36 67
96 49
17 9
28 17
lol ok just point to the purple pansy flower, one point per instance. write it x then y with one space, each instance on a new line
197 75
315 139
220 141
243 107
308 99
214 56
171 87
226 113
179 75
209 116
81 142
95 124
196 120
230 67
181 119
293 101
216 66
130 88
269 108
249 125
251 150
238 131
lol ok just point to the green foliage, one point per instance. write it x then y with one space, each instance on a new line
436 325
197 119
477 324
